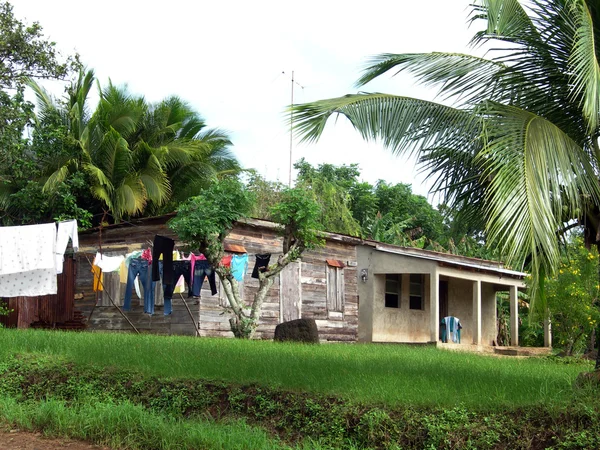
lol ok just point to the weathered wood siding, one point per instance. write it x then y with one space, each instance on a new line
302 290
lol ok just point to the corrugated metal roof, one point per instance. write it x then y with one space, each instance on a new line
456 261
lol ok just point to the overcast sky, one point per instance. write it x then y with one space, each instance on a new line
226 59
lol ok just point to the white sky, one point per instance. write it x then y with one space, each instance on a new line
226 59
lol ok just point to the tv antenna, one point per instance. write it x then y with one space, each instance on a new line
293 82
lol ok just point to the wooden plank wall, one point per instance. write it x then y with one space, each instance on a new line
209 313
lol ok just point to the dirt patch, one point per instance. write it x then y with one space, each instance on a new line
15 439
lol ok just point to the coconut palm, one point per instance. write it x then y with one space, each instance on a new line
517 134
135 155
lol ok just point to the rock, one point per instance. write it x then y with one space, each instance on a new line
299 330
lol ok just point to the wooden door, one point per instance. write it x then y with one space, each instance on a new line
290 293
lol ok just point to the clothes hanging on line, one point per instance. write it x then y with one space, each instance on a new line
28 260
180 269
163 245
66 230
139 267
108 263
202 269
261 264
226 260
239 265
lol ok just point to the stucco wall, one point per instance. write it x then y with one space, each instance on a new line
378 323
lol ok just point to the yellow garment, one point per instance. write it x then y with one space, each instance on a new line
123 273
98 278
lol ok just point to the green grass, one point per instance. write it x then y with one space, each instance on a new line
125 425
388 374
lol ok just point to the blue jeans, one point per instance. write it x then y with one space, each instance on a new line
140 267
202 269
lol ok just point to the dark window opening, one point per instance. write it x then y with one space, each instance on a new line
393 290
416 291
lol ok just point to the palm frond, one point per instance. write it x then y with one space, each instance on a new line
401 123
584 64
464 77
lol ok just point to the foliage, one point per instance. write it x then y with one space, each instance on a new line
518 145
203 222
266 193
298 214
138 158
329 187
573 298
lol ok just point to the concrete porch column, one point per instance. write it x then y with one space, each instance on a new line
514 317
477 312
434 306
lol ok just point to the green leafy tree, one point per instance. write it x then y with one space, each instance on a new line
573 297
136 157
519 143
266 193
24 54
203 223
330 186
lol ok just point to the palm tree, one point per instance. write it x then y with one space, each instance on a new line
520 139
135 155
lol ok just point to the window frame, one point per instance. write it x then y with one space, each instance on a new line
397 293
413 297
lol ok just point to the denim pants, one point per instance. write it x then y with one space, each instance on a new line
140 267
202 269
180 268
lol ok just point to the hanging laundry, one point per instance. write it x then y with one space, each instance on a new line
28 260
202 269
261 264
108 263
140 267
239 265
66 230
180 269
226 260
163 245
98 282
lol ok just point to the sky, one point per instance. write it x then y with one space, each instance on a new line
232 61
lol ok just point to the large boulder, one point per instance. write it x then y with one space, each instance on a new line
299 330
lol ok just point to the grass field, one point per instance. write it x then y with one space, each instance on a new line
387 374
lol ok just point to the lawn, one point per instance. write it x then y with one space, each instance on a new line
393 375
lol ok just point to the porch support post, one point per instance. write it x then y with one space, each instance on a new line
547 331
477 312
514 317
434 306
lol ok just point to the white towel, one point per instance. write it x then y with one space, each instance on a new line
66 230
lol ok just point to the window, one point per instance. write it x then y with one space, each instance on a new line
393 290
416 291
335 286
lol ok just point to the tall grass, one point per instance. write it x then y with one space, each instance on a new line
125 425
388 374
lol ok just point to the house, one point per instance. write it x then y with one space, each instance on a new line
356 290
405 292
